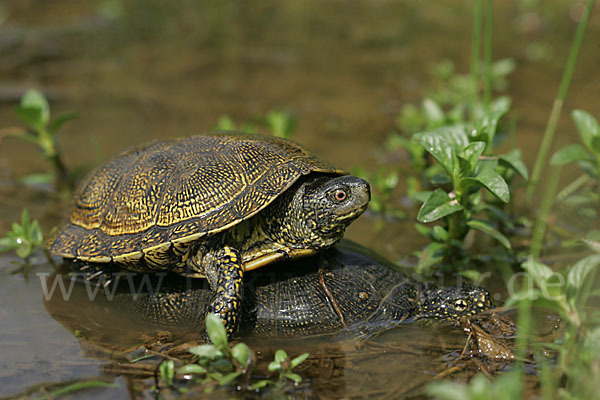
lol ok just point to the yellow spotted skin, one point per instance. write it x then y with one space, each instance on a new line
454 302
210 206
228 275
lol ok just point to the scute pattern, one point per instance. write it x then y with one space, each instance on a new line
178 190
140 192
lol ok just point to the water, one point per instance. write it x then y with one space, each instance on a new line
136 73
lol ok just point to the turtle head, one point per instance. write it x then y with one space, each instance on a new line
454 302
330 204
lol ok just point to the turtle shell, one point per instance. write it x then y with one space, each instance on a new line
169 193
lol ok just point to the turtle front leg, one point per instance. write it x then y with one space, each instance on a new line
225 273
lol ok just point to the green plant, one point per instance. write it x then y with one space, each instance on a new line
219 364
566 292
574 373
279 123
558 102
225 123
284 366
24 238
466 171
588 157
34 111
581 196
450 102
505 387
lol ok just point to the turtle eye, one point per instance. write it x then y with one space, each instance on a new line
340 195
460 305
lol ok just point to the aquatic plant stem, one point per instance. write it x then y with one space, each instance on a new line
475 48
540 224
523 334
487 52
558 103
572 187
48 145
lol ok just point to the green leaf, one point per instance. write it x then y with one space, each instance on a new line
280 123
280 356
431 255
592 240
437 206
503 67
298 360
440 234
537 298
25 222
33 99
513 159
7 244
260 384
471 274
486 227
438 147
216 332
274 366
79 386
596 146
569 154
472 153
60 120
464 169
422 196
294 377
191 369
167 371
35 234
448 390
590 168
538 271
579 272
455 135
225 123
587 126
439 179
490 119
226 380
42 178
241 353
433 112
423 229
17 230
32 117
24 250
493 182
207 351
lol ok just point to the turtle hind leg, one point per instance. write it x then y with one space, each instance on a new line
225 274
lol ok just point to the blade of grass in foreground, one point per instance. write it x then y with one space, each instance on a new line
79 386
558 103
487 53
475 47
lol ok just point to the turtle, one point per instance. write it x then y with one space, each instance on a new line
343 291
210 206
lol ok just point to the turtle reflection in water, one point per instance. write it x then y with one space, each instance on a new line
210 206
343 290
